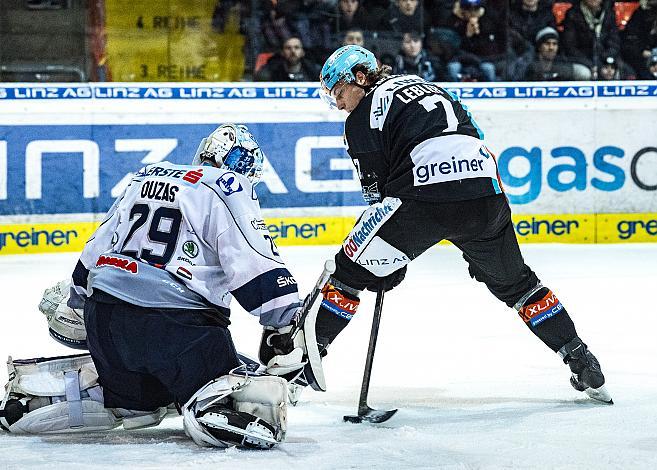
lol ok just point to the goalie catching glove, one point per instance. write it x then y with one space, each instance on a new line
65 324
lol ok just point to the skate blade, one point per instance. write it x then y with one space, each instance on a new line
370 416
600 394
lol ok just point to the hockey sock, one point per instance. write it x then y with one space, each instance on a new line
546 317
339 304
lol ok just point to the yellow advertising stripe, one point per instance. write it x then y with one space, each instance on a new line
287 231
555 228
45 237
53 237
626 228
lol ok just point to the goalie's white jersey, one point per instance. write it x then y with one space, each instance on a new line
189 237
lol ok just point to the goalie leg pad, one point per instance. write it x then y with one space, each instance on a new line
235 410
51 395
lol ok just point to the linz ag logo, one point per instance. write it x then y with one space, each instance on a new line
190 248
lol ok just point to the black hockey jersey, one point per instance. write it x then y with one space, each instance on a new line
411 139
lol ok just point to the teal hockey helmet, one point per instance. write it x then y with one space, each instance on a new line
338 67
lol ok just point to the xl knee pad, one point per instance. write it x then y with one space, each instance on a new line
537 305
54 395
546 317
339 304
238 410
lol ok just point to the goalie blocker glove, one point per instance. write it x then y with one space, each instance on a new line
282 350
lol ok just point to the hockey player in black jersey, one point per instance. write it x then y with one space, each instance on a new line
428 176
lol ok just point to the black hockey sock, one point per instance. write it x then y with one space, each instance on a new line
337 309
547 318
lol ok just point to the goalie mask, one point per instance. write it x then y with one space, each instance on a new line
232 147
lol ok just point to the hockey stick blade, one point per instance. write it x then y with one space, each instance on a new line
365 413
371 416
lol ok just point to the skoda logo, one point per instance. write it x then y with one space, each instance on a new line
190 249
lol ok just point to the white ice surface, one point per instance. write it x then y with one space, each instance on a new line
474 388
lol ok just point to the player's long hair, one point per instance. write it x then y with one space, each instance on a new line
373 76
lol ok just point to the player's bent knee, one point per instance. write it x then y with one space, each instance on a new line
54 395
235 410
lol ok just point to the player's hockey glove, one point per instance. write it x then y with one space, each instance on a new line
390 281
282 350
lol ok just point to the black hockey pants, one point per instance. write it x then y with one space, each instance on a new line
147 358
482 230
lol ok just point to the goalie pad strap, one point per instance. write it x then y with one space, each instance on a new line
54 395
72 386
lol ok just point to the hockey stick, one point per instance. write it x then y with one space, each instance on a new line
311 298
306 327
365 413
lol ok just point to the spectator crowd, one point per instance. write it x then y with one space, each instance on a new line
456 40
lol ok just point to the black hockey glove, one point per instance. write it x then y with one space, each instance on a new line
390 281
279 351
274 342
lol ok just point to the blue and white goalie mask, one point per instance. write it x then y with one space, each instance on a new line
232 147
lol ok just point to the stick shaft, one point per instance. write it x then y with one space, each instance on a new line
376 321
309 301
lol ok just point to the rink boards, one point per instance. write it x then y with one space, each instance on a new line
577 160
330 230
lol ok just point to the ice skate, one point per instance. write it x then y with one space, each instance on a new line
587 376
237 427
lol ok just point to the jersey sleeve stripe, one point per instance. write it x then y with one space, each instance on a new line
279 312
264 288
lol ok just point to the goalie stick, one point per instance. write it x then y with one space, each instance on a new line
365 413
305 326
309 303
